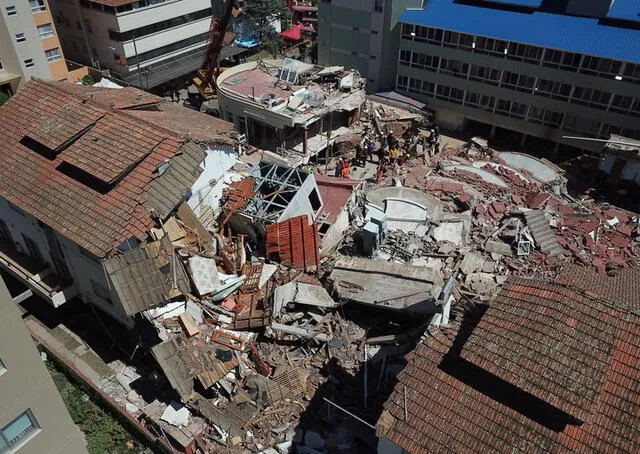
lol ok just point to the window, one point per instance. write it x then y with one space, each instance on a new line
53 55
403 82
11 11
20 37
37 5
1 65
45 30
28 63
101 291
405 57
18 431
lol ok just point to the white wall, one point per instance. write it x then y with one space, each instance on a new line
333 235
207 189
166 37
82 269
300 203
140 17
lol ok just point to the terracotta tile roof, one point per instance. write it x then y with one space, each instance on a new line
620 287
547 340
294 242
453 405
335 193
188 123
94 192
126 147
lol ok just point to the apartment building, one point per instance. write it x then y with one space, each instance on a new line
143 42
363 35
29 46
33 417
541 68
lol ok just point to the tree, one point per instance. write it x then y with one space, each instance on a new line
273 45
3 98
88 80
261 15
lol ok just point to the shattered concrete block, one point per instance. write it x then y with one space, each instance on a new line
498 247
473 261
482 283
284 447
449 231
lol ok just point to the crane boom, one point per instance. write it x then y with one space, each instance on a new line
217 30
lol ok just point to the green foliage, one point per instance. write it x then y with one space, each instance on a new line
88 80
103 432
3 98
259 15
273 44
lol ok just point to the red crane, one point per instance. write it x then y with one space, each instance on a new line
222 12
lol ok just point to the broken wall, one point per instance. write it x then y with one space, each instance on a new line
307 201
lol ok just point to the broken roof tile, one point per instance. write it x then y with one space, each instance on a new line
105 144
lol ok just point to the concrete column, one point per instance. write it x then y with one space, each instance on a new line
556 149
523 140
305 136
492 133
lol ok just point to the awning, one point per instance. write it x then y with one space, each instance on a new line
294 33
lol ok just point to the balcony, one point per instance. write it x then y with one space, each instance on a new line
41 279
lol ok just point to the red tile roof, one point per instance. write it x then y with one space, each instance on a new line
455 405
61 187
622 286
294 242
335 193
550 341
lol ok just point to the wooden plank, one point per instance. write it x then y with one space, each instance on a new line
189 324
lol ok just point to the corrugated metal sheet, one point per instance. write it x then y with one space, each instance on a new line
575 34
167 190
625 9
138 282
295 243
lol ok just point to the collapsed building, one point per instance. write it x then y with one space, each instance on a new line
265 292
289 107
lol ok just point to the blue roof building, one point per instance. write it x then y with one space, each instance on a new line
543 68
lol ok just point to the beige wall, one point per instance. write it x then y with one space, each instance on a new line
14 53
26 384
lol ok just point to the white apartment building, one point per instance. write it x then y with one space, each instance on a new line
143 42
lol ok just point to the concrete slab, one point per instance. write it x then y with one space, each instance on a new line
486 176
536 167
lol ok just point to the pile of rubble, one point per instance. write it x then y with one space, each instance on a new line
252 331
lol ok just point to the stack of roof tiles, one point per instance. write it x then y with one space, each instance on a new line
546 368
77 160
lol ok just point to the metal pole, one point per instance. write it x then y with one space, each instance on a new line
365 378
135 50
350 414
327 156
620 142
